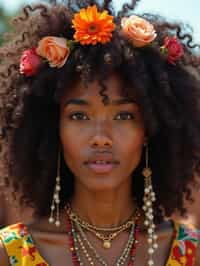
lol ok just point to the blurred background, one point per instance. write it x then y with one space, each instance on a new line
176 10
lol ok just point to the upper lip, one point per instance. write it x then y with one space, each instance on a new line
107 157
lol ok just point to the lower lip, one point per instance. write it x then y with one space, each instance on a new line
102 168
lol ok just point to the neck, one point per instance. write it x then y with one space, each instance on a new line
104 208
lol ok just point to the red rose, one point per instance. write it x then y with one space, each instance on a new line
30 62
173 48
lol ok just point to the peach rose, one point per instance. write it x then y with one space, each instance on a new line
54 49
138 30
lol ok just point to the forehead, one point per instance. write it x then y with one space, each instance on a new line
113 84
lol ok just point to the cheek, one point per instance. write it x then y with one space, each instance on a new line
131 143
72 143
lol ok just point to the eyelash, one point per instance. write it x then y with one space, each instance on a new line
75 115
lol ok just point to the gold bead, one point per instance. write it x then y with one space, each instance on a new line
147 172
106 244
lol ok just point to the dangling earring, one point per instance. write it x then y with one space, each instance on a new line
149 198
56 197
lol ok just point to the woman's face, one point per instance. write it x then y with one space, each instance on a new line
102 144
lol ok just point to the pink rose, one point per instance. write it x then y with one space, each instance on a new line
30 62
138 30
54 49
173 49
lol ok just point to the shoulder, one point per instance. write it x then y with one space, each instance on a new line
187 242
197 259
10 238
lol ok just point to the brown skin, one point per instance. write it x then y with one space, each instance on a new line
87 131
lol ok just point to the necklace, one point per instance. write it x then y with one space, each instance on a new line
106 239
120 261
73 216
77 237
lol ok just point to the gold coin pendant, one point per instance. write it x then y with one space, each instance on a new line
106 244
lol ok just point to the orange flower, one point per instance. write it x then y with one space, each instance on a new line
54 49
138 30
92 26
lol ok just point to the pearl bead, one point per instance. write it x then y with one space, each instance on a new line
155 245
144 208
150 240
148 203
58 188
57 201
52 207
150 210
153 226
57 223
51 220
150 262
57 178
55 196
146 222
155 237
150 217
150 251
146 191
150 231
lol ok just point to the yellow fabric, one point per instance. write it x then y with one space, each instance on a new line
20 247
22 251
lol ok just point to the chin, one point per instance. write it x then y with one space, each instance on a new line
104 183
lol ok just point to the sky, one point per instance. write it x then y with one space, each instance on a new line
186 11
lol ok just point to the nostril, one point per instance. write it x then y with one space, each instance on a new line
100 144
101 141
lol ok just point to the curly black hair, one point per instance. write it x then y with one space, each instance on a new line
169 97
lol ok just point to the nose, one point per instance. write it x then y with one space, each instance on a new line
101 137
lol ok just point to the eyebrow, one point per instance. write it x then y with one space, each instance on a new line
82 102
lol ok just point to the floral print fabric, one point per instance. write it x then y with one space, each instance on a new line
184 246
22 251
20 247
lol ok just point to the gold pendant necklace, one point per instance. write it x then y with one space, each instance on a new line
104 234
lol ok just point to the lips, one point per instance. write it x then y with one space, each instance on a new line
102 163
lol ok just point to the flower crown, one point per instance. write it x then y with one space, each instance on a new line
92 27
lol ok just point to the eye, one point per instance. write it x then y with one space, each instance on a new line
124 116
78 116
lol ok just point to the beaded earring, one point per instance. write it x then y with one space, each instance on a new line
56 198
149 198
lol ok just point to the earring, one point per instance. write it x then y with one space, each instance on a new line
149 198
56 198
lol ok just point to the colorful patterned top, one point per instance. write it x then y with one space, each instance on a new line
22 251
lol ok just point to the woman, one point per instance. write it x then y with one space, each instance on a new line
100 125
